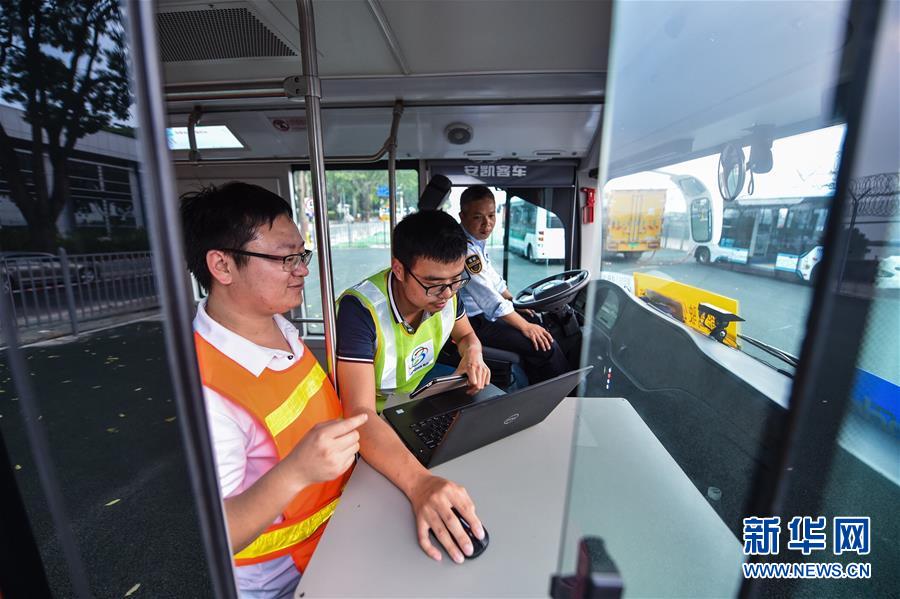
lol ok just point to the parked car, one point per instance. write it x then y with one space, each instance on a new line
114 266
29 270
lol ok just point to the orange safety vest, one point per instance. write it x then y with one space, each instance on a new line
286 404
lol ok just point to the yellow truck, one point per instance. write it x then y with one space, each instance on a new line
633 221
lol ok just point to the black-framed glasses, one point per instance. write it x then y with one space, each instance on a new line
438 290
289 263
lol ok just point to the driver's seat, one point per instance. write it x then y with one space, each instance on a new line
506 369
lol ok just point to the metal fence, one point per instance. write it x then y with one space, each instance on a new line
47 290
358 234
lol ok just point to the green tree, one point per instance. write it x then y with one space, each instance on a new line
358 190
362 186
64 64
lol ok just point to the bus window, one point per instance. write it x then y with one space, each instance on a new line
536 241
358 227
552 221
863 478
821 216
535 232
701 222
89 373
782 217
766 237
736 281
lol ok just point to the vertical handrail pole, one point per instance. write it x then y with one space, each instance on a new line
310 72
193 120
164 226
392 167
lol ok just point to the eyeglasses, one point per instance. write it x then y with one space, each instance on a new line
289 263
438 290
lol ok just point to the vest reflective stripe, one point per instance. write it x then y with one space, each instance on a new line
290 410
448 319
394 345
275 541
386 353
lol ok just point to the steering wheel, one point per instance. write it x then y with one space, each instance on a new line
552 293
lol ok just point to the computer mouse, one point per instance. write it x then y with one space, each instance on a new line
478 545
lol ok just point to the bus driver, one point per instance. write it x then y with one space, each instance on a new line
488 300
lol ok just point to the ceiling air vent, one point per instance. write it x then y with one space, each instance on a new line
548 153
216 34
479 154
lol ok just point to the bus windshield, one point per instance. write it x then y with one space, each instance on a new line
766 242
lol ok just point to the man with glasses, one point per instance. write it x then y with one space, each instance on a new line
283 453
488 301
390 328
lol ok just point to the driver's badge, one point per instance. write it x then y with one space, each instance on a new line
473 264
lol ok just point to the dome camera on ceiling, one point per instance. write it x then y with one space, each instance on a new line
458 133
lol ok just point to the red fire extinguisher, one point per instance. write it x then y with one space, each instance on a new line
587 211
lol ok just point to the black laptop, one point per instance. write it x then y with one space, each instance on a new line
440 428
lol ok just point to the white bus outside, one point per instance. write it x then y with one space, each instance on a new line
534 232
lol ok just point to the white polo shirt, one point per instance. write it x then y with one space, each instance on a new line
243 449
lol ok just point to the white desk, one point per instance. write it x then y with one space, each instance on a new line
519 487
660 531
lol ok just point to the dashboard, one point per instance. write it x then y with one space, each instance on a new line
692 392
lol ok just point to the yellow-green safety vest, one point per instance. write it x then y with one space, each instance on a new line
402 358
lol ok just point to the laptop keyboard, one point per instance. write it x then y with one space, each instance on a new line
431 430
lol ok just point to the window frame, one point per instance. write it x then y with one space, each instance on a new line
414 165
826 371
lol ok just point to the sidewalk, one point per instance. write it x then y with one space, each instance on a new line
61 332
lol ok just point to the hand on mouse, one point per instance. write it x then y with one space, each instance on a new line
433 499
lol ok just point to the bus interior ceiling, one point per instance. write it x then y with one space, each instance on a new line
458 71
519 99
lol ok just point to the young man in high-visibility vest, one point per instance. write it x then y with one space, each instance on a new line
390 328
282 449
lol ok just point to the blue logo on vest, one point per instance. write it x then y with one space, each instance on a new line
421 357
